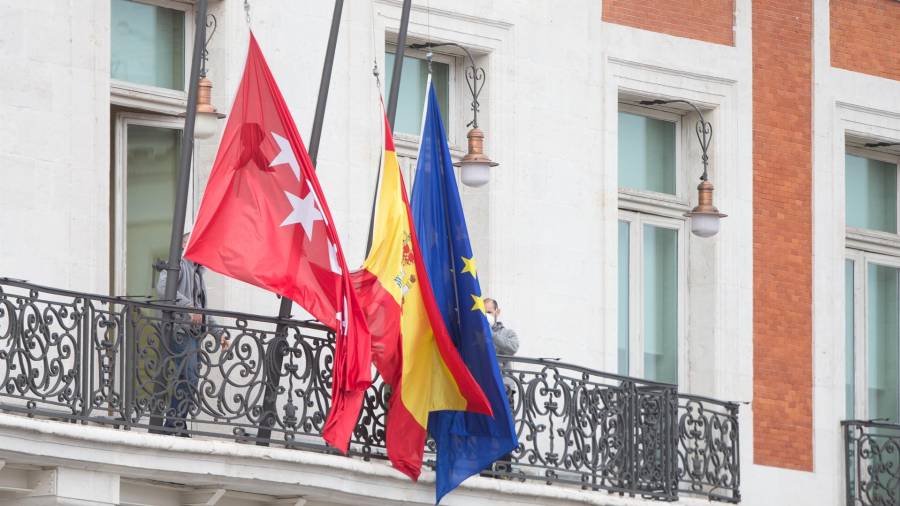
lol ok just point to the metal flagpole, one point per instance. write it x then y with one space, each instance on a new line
278 347
398 63
392 103
173 267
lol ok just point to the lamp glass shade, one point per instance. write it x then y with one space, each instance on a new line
705 225
206 125
475 173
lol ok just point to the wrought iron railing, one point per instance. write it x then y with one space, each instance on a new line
872 463
708 448
139 365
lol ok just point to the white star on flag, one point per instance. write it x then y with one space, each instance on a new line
332 259
286 155
304 212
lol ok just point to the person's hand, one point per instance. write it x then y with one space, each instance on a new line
224 342
196 318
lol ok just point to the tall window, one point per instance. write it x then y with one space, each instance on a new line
872 286
651 245
147 67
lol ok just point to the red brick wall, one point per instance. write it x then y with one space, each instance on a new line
782 233
707 20
865 36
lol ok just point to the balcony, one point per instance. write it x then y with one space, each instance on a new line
116 362
872 451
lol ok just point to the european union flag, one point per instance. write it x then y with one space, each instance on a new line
467 443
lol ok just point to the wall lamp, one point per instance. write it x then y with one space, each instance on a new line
475 166
705 217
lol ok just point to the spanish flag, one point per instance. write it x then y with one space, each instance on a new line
419 360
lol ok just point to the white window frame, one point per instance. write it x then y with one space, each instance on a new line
122 121
642 207
864 247
875 240
154 98
681 196
407 145
454 101
861 261
636 334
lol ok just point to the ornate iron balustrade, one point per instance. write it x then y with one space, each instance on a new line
708 448
872 463
128 364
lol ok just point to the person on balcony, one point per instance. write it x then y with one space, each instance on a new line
185 342
506 342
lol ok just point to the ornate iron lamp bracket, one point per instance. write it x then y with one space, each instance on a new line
474 75
211 25
703 130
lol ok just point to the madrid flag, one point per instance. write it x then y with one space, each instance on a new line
419 361
264 220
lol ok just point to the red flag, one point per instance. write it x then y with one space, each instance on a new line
264 220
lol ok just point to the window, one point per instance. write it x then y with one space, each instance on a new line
411 100
649 283
646 153
872 286
651 247
148 44
145 174
148 67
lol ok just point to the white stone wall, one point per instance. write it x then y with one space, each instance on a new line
54 142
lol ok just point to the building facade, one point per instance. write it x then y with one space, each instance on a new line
791 312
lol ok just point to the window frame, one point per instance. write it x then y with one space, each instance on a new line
155 98
642 207
865 247
869 239
120 187
453 101
681 195
861 261
636 333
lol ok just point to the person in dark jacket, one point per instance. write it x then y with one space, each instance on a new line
185 343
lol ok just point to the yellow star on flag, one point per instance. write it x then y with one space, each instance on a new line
479 303
469 266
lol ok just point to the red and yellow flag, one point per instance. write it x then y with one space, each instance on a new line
419 361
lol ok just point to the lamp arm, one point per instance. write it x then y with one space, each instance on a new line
475 77
703 130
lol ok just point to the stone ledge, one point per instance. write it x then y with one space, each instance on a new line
257 469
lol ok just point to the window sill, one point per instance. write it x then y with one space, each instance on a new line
873 241
147 98
651 202
408 146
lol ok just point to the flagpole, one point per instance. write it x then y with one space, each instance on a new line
392 103
173 266
398 63
278 346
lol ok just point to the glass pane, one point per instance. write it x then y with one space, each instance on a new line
153 155
849 351
624 263
646 153
147 44
411 100
871 187
883 340
660 304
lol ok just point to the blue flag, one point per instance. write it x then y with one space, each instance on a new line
467 443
